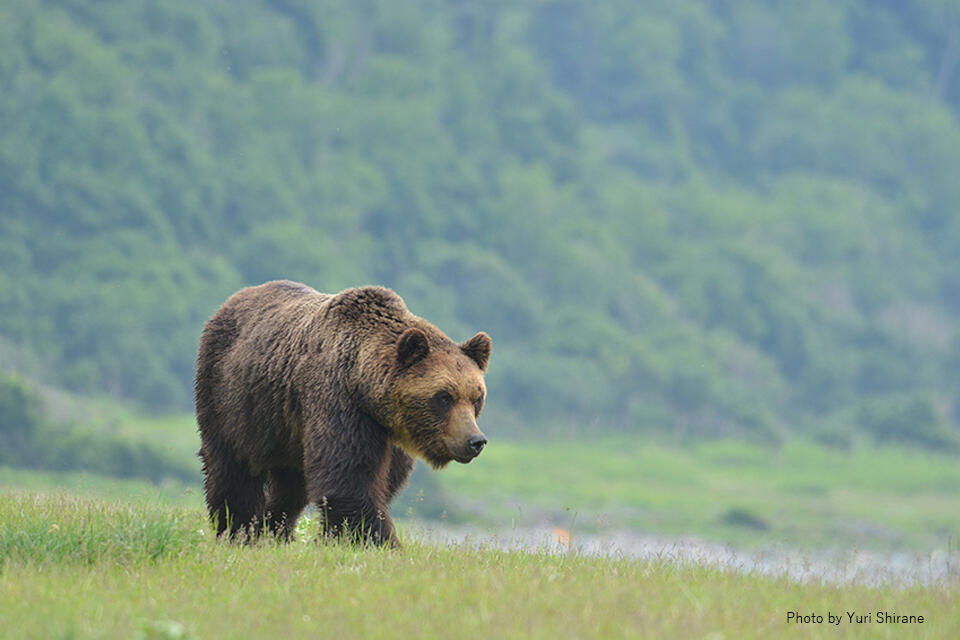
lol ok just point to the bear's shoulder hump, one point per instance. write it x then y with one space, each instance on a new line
369 300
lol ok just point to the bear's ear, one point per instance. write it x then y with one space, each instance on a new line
412 347
478 348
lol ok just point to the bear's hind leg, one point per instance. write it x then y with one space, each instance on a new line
235 498
286 498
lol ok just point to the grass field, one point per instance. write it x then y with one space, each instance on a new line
82 484
803 495
74 567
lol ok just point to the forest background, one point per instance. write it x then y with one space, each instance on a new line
678 219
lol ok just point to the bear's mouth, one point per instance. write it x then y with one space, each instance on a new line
463 455
453 454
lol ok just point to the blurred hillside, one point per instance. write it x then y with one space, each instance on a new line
702 218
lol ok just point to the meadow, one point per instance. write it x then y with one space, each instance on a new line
89 556
79 567
801 493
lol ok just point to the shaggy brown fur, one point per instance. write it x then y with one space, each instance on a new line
309 397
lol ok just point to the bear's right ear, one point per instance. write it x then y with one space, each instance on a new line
478 348
412 347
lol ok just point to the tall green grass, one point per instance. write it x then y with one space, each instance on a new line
62 528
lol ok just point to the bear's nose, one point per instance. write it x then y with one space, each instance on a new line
476 443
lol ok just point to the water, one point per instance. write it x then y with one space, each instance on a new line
837 566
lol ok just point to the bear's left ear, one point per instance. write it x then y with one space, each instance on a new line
478 348
412 347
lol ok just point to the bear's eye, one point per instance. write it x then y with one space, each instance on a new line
441 402
477 406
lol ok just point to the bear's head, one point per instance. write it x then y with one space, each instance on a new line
435 395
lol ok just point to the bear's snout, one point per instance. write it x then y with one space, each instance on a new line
476 443
466 447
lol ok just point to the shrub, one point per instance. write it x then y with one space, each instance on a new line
20 416
908 418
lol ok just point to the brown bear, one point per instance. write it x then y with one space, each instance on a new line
304 397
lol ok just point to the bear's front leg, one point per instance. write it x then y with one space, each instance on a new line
355 521
347 468
401 465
